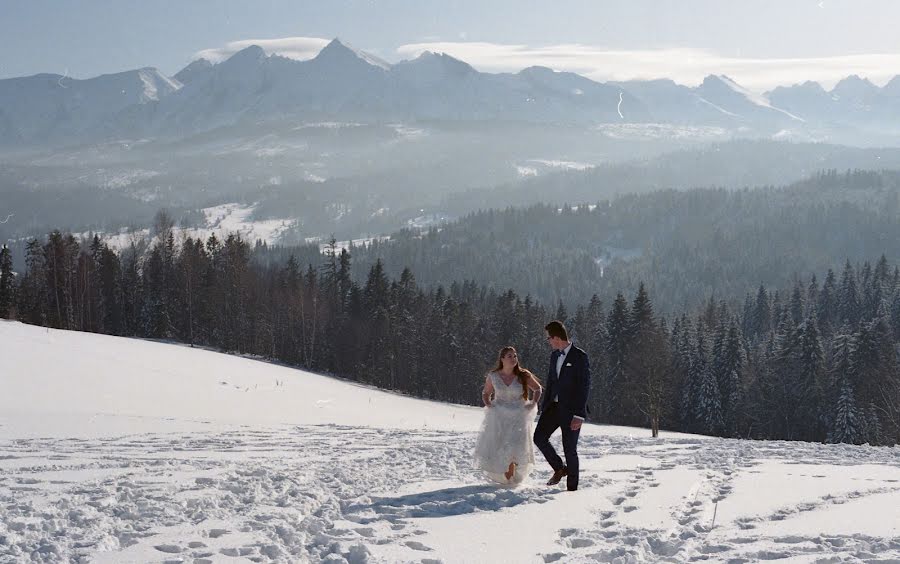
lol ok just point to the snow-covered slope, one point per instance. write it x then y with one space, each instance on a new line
808 98
852 101
745 106
121 450
668 102
51 107
194 70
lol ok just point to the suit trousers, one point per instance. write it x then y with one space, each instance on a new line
548 423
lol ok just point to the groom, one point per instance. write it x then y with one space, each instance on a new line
564 405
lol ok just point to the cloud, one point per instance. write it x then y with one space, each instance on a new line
299 48
683 65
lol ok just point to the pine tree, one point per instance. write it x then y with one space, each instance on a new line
33 299
109 273
60 262
190 268
578 326
809 385
812 297
846 426
132 291
595 343
156 323
867 364
882 285
841 376
848 299
309 313
649 383
505 325
344 280
762 314
236 292
406 300
747 317
616 358
683 355
707 399
729 362
783 390
375 292
7 283
796 305
330 281
828 306
895 316
561 313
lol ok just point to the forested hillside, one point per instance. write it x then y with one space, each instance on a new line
816 360
685 245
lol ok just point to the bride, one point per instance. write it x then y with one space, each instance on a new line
504 449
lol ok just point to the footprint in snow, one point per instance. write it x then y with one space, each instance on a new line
416 545
216 533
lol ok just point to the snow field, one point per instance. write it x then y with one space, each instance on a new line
121 450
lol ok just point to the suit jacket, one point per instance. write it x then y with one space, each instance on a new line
572 386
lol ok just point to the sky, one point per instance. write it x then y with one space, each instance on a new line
759 43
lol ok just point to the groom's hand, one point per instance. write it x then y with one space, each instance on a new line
575 424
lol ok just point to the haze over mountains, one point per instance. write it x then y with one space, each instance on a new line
347 145
344 84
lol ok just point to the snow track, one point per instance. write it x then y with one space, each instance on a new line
358 494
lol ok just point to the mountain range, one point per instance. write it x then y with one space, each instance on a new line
344 84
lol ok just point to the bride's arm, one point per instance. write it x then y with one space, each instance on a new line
488 391
536 390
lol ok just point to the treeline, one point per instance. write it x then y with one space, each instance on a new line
685 245
734 164
817 362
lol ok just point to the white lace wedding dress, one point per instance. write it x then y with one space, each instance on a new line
506 434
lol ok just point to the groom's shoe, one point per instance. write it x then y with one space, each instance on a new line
557 476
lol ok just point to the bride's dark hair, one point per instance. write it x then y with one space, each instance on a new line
521 373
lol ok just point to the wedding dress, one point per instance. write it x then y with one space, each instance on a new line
506 433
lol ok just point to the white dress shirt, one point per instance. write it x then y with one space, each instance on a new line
561 359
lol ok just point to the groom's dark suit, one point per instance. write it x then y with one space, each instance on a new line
565 396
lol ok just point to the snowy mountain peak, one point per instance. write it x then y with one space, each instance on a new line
714 85
808 88
194 69
338 53
812 86
729 96
537 70
439 62
248 56
718 80
723 81
568 83
854 87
